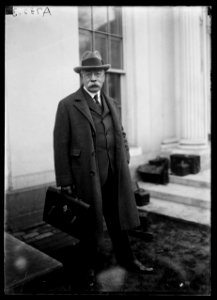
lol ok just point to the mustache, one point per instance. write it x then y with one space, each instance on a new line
94 85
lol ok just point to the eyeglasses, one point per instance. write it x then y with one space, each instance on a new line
95 73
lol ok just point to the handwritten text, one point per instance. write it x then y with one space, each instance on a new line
36 11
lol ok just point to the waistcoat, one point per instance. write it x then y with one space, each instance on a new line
105 142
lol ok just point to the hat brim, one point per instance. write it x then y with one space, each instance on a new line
102 67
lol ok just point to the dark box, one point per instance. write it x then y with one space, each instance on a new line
182 169
154 174
142 197
193 161
160 161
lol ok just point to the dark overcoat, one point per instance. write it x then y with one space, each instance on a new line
75 162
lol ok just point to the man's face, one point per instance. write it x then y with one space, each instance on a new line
93 79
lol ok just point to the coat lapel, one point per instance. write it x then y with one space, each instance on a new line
81 104
117 127
105 106
114 113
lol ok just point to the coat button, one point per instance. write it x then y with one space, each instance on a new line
92 173
93 153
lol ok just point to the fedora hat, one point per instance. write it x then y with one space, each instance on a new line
92 60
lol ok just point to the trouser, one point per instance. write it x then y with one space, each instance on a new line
92 245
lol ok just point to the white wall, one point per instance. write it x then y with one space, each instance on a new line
40 54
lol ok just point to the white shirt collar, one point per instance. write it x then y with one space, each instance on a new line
92 95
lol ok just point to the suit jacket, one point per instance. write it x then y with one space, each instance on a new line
75 163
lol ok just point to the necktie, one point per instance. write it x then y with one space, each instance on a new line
96 99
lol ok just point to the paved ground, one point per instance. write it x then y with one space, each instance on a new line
179 251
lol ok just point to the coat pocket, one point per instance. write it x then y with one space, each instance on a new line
75 152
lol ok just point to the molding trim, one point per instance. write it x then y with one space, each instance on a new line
31 180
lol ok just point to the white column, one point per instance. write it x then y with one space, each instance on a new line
169 80
193 106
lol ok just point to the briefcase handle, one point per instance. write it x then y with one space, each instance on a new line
70 198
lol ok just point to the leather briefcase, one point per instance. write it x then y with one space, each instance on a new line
160 161
67 213
153 173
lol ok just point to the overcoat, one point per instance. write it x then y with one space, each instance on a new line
75 162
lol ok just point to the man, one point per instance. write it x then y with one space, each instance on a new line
91 161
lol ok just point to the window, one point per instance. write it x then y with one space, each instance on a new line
100 28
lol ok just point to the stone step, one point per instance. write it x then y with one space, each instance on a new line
201 179
188 195
179 211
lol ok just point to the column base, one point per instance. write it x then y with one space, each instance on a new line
169 143
195 145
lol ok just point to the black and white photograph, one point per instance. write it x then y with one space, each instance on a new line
107 182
